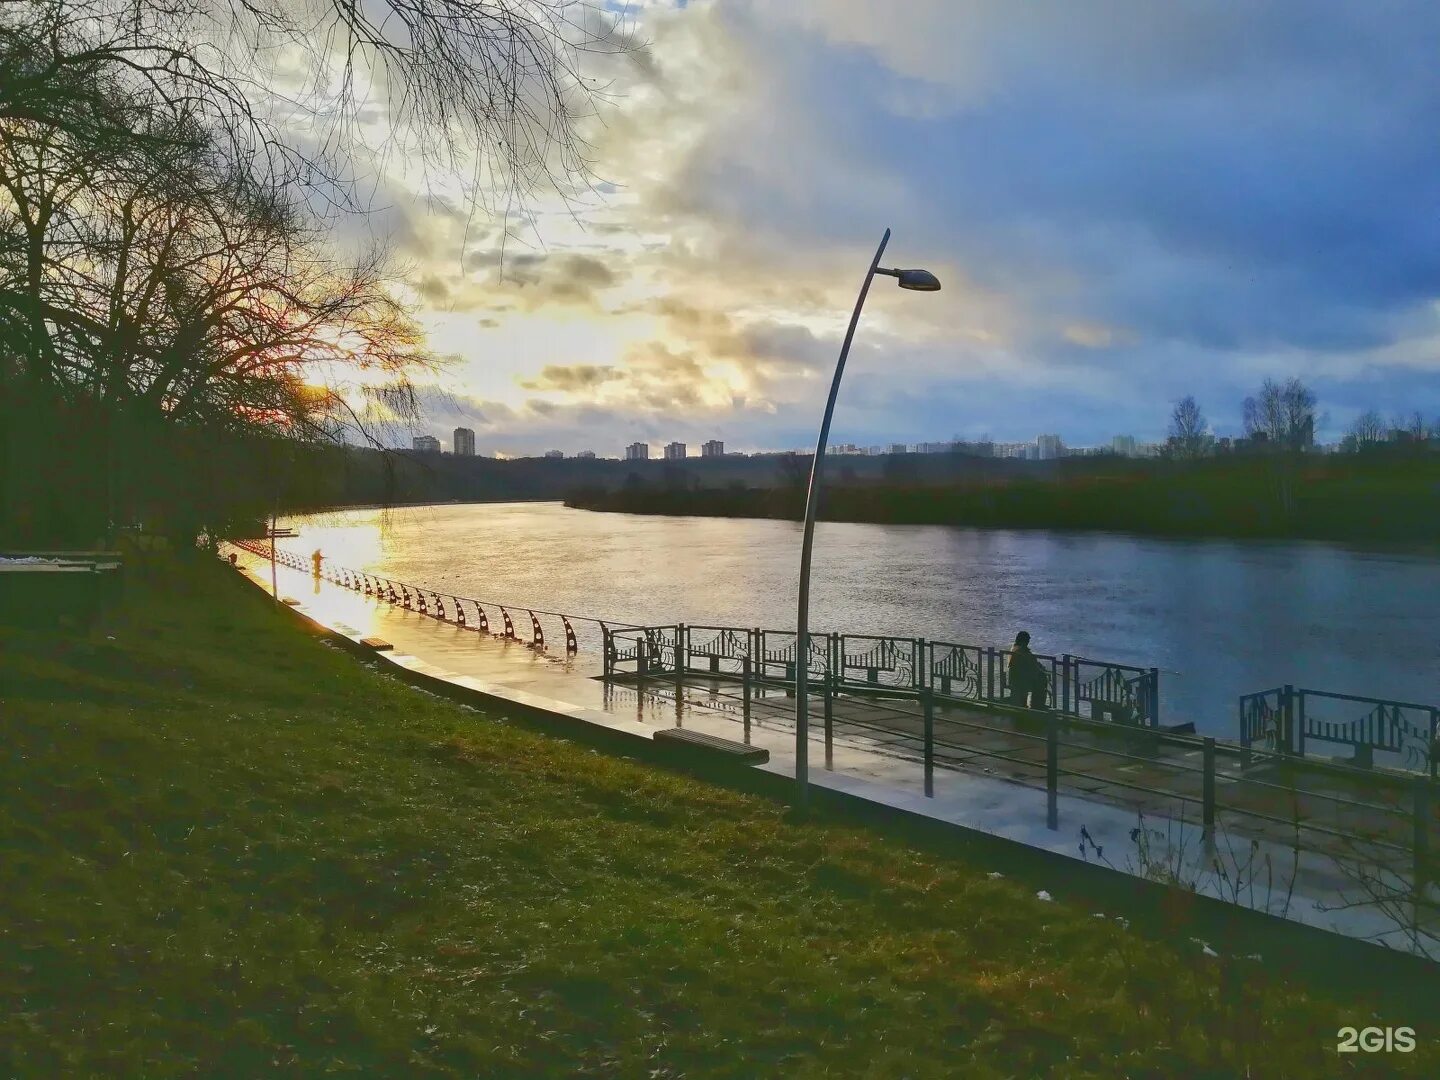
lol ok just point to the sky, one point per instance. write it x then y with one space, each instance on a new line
1126 202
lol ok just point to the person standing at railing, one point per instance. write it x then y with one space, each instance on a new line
1028 682
315 560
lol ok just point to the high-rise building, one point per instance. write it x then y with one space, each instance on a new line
588 455
896 448
1124 445
713 448
1048 447
637 451
554 453
675 451
464 442
426 444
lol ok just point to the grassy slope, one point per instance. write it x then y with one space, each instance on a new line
228 847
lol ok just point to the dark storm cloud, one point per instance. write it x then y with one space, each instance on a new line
1272 180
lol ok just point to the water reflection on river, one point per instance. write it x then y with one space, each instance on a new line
1219 618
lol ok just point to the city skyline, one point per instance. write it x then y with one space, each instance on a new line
1043 447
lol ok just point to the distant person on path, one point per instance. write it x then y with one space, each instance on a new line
316 559
1028 682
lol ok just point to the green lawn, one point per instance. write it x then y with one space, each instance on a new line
229 848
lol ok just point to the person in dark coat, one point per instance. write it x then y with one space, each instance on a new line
1028 682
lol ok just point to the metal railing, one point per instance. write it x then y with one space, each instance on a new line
485 616
1286 719
880 665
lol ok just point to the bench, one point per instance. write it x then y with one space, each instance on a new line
696 745
378 644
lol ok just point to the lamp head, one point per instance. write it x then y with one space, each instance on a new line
918 280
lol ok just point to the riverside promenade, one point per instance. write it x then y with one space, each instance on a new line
1315 845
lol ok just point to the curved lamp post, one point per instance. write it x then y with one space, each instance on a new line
920 281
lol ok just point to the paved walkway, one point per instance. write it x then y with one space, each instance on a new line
989 763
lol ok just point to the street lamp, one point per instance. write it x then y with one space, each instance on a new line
919 281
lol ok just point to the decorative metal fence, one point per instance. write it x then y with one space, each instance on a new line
486 617
1286 719
1283 720
884 665
718 650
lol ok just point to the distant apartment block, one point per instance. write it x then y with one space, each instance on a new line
637 451
713 448
1124 445
897 448
675 451
426 444
845 448
1048 447
463 443
554 453
588 455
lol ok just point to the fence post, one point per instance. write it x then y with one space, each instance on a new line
1065 683
829 721
679 662
1421 842
745 694
1300 727
1154 697
1434 749
929 710
989 674
642 659
605 665
1209 787
1287 718
1052 772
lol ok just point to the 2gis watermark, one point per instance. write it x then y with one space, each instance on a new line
1375 1040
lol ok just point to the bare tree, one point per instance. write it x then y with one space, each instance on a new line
1365 431
497 87
149 285
1189 431
1410 428
1282 415
792 470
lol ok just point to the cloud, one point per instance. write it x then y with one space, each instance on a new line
570 379
1126 202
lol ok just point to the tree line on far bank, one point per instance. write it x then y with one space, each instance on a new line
1385 485
1337 497
1281 416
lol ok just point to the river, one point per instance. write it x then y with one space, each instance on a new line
1219 618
